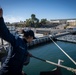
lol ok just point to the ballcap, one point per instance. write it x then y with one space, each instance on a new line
28 33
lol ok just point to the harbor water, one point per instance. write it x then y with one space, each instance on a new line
52 53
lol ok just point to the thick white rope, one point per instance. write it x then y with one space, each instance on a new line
63 51
67 68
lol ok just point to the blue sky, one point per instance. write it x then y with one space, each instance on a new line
16 10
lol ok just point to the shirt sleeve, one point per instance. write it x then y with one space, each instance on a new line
5 34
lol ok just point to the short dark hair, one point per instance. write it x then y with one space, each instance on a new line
27 33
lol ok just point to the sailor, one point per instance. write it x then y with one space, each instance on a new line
18 53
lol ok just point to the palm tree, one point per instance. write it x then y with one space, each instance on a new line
34 20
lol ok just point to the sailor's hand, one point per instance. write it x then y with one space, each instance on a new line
1 12
29 54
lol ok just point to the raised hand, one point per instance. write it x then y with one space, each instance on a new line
1 12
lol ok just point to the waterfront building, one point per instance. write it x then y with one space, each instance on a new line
64 21
71 28
71 22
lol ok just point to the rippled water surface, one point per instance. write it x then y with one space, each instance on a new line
52 53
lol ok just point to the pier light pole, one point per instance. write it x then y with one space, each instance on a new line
35 25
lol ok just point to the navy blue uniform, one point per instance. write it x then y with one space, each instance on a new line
17 54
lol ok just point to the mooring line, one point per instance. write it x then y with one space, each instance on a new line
47 61
63 51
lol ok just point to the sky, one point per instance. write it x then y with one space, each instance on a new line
20 10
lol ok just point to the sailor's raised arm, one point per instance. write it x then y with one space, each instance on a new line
4 32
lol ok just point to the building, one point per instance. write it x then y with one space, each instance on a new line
71 28
71 22
64 21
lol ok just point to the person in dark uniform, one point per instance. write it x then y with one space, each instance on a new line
18 53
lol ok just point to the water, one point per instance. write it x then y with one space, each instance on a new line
52 53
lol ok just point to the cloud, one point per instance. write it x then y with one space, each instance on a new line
12 19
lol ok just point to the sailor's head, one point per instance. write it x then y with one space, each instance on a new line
28 35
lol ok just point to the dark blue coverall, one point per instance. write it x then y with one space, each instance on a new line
17 55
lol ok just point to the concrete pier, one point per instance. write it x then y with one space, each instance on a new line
39 41
43 39
67 38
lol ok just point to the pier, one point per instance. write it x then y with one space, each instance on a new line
39 41
43 39
67 38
